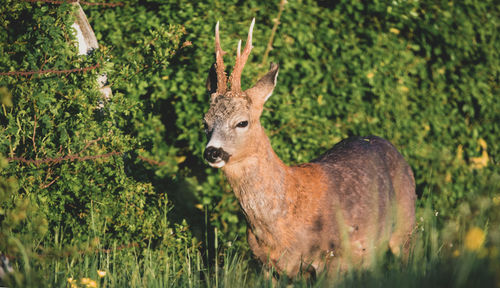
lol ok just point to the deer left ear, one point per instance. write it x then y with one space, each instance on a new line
263 89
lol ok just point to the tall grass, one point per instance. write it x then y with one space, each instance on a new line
459 252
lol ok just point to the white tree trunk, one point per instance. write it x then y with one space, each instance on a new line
88 42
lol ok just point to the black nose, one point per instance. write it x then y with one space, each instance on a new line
212 154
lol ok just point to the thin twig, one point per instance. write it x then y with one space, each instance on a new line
152 162
273 32
76 157
102 4
28 73
287 125
81 2
51 182
90 143
34 135
72 157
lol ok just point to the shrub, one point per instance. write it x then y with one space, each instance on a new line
77 158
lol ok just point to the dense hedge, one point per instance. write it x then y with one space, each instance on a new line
89 180
423 74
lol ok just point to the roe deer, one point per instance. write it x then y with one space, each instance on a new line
328 214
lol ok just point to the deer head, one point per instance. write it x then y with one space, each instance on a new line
232 122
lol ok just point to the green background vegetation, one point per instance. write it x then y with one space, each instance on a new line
422 74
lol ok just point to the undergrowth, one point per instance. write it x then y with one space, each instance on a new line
456 253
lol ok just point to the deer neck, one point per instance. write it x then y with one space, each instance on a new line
259 182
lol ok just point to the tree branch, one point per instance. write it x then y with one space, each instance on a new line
273 32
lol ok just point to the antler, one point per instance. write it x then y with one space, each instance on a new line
241 59
219 64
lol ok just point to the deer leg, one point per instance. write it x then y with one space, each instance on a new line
404 187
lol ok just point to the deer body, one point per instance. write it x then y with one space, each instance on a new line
332 213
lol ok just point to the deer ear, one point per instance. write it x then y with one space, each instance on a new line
263 89
211 83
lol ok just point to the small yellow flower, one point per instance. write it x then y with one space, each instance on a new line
370 75
88 282
448 178
481 161
456 253
482 143
394 31
101 273
320 100
474 239
496 200
180 159
460 153
72 283
404 89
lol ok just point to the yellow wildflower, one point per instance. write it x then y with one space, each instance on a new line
456 253
101 273
394 31
460 153
481 161
447 178
72 283
320 99
496 200
474 239
88 282
180 159
482 143
403 89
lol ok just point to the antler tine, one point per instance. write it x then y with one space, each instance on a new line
241 59
219 63
239 49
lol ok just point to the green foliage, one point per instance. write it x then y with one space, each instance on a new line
101 173
394 70
83 152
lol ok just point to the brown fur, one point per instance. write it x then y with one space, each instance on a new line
333 212
340 210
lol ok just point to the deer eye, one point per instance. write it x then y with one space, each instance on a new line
242 124
206 128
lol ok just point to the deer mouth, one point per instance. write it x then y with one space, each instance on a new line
218 164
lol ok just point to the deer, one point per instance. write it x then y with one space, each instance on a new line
331 214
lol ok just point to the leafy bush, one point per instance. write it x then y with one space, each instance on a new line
420 74
77 161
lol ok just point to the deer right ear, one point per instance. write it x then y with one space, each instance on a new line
263 89
211 83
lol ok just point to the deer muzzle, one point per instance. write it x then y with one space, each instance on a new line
216 157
